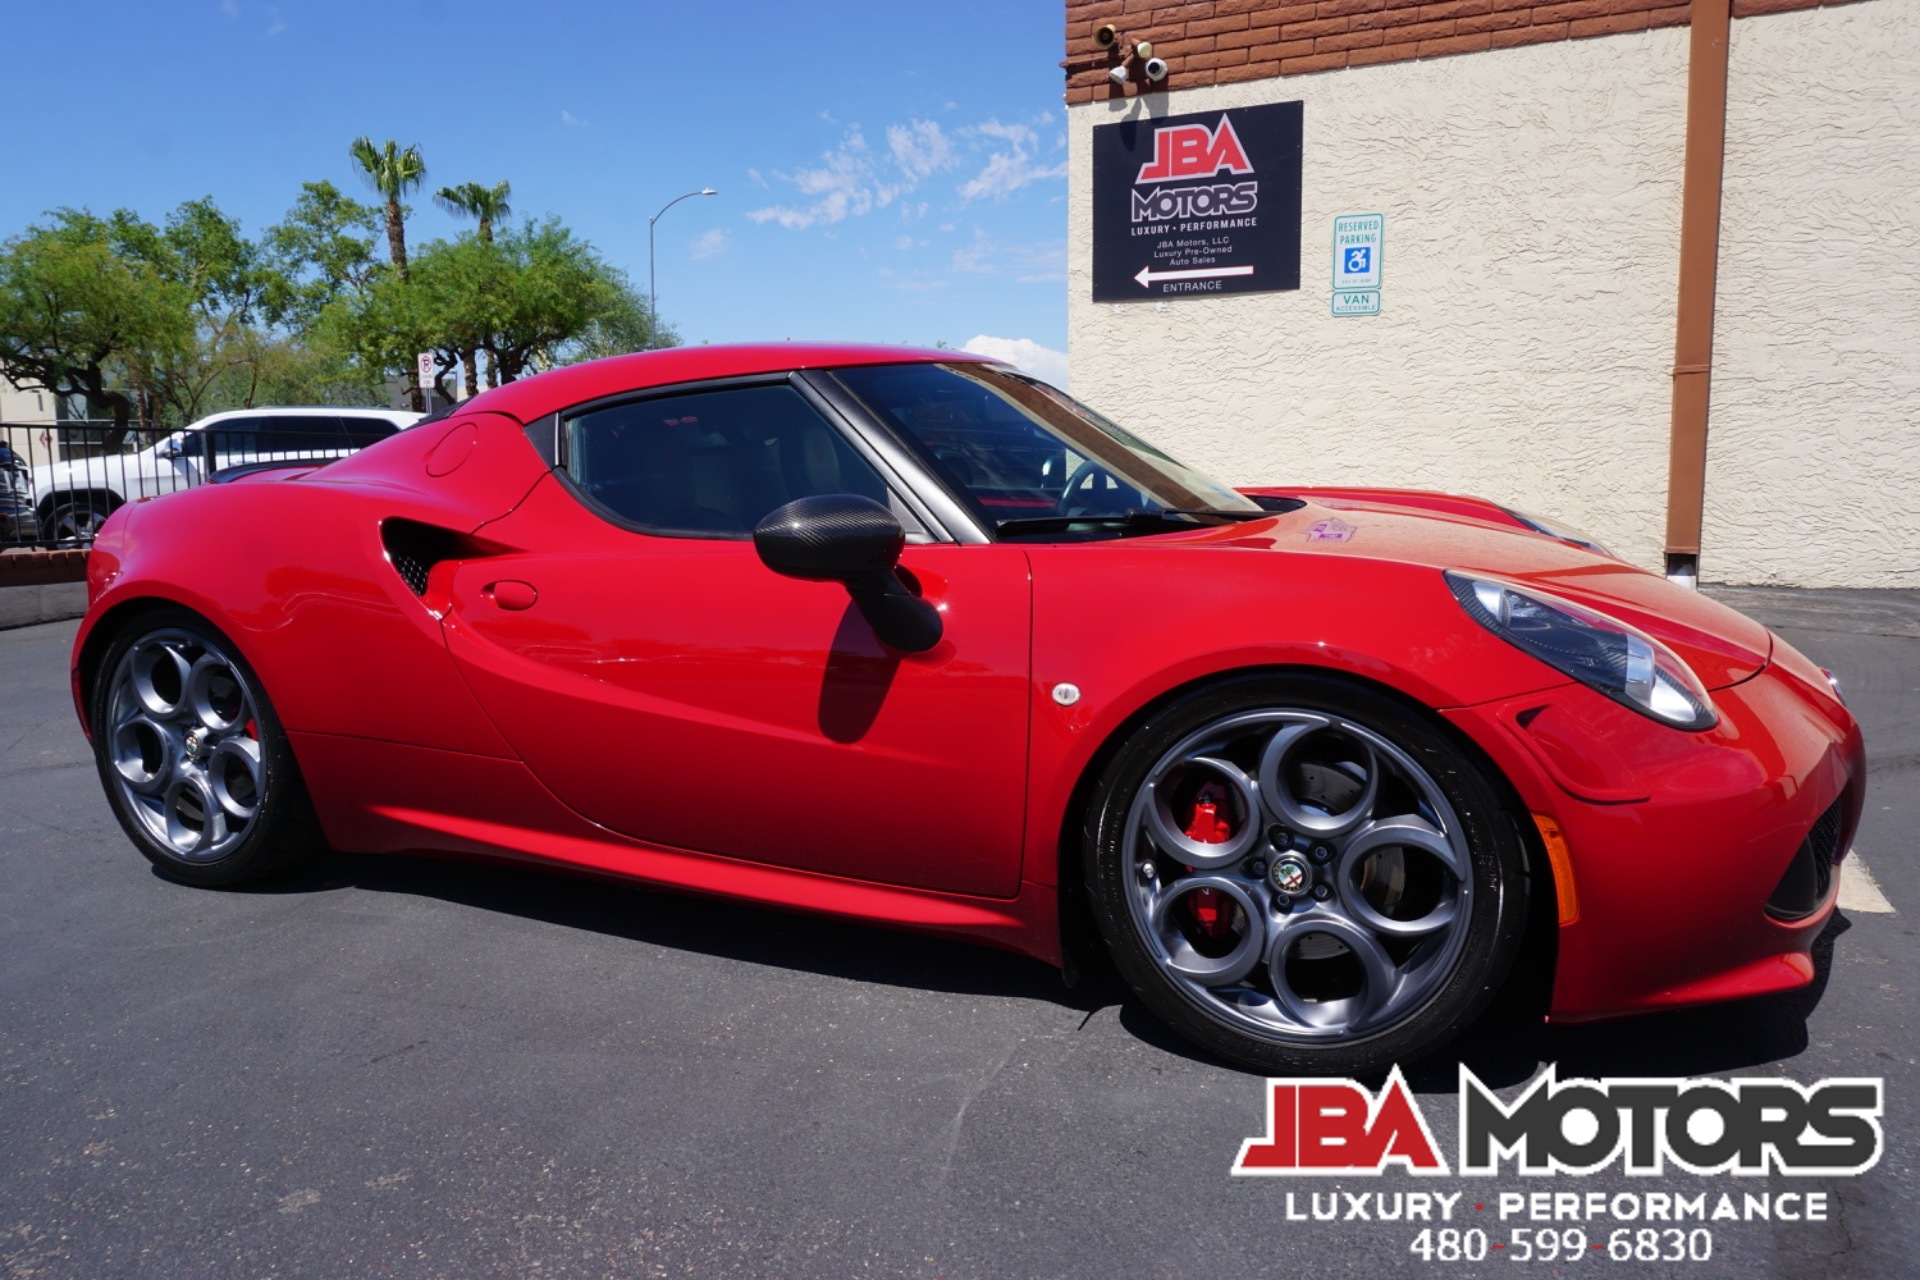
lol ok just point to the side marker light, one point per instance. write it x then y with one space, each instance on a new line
1564 889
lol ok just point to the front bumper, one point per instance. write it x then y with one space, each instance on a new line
1678 840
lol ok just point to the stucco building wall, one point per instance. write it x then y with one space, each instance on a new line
1524 348
1813 449
1525 341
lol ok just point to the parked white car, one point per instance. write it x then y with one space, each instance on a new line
72 497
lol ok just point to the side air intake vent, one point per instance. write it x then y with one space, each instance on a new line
414 548
1809 876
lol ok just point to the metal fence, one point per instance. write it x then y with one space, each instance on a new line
60 481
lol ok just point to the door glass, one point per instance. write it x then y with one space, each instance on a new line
301 436
711 463
228 443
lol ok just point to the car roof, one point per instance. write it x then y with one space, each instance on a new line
557 389
404 417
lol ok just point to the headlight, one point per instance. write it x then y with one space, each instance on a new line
1601 653
1561 532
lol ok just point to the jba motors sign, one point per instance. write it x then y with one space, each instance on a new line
1198 205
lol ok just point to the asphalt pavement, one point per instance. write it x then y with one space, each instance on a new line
400 1067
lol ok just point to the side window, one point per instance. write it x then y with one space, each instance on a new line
712 462
228 443
301 434
361 432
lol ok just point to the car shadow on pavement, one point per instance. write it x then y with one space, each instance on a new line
691 923
1509 1045
1505 1047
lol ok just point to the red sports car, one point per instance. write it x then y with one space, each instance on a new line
908 637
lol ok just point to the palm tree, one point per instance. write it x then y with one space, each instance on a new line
471 200
487 205
393 172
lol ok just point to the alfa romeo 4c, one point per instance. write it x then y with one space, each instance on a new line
911 638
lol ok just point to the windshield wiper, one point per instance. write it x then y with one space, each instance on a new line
1133 518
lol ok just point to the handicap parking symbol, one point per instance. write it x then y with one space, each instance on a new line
1359 261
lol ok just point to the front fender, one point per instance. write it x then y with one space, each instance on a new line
1216 612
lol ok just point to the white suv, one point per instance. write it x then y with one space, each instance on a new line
72 497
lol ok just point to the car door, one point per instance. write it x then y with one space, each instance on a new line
663 682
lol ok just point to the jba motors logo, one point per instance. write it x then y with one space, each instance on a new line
1186 151
1751 1127
1194 151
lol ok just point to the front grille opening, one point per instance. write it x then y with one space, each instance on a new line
1809 876
414 548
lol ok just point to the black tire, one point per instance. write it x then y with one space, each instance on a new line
181 752
73 522
1147 918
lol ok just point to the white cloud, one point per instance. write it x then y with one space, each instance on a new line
709 243
275 24
1011 166
572 121
846 185
758 181
1025 354
854 178
921 149
230 7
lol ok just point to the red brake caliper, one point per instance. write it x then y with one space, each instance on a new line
1211 910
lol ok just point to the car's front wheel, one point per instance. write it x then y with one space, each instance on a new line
73 522
193 758
1302 874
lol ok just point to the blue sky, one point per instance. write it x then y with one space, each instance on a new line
887 171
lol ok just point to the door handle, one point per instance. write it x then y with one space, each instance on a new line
510 593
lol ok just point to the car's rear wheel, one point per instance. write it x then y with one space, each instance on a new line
193 758
1303 874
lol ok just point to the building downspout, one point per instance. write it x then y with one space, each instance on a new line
1699 265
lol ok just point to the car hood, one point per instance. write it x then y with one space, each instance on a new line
1723 647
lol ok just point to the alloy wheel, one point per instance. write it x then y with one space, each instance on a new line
1298 875
183 740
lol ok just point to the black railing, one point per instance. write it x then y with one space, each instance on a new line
60 481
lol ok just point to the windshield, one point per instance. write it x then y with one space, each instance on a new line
1030 459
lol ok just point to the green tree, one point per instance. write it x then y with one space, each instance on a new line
625 326
393 171
78 317
226 280
486 205
538 296
321 252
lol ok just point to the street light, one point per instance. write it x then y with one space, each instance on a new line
653 299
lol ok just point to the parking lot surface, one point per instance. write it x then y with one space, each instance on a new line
399 1067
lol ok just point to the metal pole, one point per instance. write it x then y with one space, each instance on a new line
653 297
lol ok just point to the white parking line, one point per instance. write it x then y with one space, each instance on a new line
1858 889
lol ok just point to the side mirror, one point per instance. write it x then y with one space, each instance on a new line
170 453
840 537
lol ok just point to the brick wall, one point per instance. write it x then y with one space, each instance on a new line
1225 41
